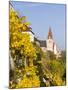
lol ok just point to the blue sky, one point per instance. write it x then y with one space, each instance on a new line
42 16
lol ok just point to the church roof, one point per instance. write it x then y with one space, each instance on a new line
50 33
42 43
29 30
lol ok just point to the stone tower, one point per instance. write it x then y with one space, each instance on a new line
50 42
50 34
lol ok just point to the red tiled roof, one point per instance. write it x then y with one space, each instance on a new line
50 33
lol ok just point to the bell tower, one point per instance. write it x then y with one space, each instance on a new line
50 42
50 34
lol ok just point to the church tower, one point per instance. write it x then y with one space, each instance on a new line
50 42
50 33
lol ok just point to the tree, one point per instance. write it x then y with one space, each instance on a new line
54 69
63 56
17 39
51 55
22 50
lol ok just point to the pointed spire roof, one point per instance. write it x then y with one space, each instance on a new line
50 33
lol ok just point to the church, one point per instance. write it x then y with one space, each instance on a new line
46 45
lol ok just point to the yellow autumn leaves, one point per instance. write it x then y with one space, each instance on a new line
29 82
21 41
17 38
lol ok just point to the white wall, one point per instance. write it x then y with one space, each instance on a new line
50 44
31 35
55 49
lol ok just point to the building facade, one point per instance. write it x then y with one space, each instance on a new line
51 45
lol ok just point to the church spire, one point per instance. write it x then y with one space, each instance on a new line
50 33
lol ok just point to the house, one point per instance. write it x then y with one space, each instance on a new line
31 34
